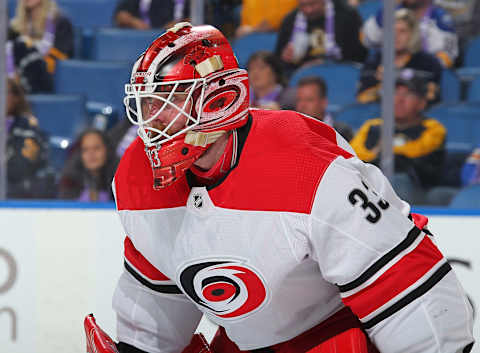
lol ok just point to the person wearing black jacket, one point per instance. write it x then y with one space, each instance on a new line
408 58
418 141
28 171
26 65
141 14
43 25
320 29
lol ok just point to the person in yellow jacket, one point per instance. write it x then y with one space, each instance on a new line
261 16
418 142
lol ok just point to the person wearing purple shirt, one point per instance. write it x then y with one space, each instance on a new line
89 172
266 80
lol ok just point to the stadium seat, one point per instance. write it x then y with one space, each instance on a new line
472 53
98 81
450 87
89 13
356 114
101 116
11 6
468 74
113 44
244 47
461 121
58 114
471 66
369 8
63 117
468 197
473 94
341 80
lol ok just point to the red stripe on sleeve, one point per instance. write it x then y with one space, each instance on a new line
141 264
420 220
396 279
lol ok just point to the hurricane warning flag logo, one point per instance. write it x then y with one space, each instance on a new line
229 289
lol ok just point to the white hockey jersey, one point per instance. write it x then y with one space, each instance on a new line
299 228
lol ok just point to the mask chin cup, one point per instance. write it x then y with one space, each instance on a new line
170 161
166 176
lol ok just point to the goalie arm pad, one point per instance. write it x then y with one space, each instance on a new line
198 344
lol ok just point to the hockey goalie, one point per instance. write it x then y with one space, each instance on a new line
266 223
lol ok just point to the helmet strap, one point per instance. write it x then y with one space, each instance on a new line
202 139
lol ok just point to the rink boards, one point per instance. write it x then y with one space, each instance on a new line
58 264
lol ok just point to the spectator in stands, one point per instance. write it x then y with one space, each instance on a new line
471 169
312 100
88 174
355 3
28 173
437 35
463 16
418 141
41 23
224 15
320 30
147 14
265 73
408 55
25 65
263 16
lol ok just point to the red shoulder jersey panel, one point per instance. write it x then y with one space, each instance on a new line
283 160
134 183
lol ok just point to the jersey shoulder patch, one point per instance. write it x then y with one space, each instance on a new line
283 160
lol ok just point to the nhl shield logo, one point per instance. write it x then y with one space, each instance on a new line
197 200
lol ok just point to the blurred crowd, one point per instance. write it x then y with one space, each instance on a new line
431 37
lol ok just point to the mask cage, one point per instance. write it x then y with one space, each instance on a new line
151 136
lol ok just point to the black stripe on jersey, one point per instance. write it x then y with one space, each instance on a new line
468 348
385 259
410 297
161 288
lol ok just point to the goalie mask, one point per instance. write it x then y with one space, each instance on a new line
185 91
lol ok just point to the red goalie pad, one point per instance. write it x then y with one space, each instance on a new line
339 333
198 344
351 341
97 340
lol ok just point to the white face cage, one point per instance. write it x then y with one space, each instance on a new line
153 136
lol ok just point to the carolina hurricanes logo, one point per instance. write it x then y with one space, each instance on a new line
229 289
221 101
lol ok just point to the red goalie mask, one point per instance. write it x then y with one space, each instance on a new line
185 91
